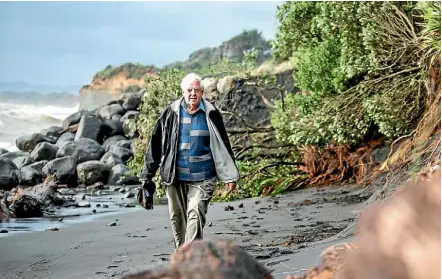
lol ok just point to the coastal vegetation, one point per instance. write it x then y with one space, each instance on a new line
222 59
135 71
368 74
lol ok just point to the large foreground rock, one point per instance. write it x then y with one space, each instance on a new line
44 151
203 259
120 175
64 170
399 238
83 150
28 143
92 171
9 176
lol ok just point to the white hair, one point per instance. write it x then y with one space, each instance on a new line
188 79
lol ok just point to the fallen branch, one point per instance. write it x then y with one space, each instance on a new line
266 152
250 131
395 141
276 164
245 148
265 100
246 124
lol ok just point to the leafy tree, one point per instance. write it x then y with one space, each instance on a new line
360 66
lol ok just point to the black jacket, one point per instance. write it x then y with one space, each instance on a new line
162 147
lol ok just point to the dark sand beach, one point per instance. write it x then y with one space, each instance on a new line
287 233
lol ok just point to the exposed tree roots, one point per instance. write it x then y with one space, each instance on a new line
337 163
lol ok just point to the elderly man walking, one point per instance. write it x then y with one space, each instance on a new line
190 147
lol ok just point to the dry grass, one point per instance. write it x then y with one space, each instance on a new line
428 126
270 67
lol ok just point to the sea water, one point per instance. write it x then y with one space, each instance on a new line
18 120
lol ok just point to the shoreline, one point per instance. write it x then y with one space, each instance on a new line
108 202
288 230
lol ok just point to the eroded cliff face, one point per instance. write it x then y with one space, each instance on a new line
112 83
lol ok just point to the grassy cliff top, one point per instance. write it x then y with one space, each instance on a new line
135 71
202 59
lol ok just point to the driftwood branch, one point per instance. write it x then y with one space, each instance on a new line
264 99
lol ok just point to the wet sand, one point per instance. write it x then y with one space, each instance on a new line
287 233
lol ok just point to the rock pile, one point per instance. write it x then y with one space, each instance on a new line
90 147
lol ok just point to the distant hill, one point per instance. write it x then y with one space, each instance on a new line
113 81
233 49
21 86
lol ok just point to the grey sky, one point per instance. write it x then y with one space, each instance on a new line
65 43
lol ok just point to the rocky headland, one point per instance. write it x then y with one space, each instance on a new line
113 82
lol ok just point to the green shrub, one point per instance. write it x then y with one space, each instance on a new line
359 65
160 92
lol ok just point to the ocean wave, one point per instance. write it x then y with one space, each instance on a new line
21 120
36 113
8 146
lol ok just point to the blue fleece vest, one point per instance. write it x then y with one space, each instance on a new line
194 157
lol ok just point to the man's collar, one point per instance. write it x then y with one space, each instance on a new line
200 106
175 105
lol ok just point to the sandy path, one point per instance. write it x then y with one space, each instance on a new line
142 239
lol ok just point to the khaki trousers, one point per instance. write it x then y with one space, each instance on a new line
188 203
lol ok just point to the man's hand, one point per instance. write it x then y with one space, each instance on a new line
145 195
230 187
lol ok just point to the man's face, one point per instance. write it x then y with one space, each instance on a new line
193 93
